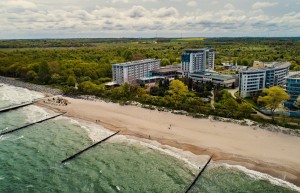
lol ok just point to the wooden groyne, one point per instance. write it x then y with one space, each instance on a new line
13 107
80 152
199 174
16 106
40 121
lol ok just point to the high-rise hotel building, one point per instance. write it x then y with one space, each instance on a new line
197 60
131 71
262 75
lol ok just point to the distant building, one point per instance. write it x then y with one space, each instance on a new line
197 60
292 88
224 80
168 71
131 71
262 75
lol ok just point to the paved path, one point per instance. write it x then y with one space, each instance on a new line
232 91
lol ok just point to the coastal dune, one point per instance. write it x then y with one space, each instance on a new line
273 153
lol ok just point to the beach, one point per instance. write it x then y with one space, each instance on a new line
276 154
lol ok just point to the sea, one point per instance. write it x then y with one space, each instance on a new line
30 159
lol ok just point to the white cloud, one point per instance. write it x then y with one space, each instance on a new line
137 12
229 6
261 5
24 18
119 1
18 5
166 12
192 4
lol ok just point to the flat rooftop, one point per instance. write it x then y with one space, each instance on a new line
193 50
294 75
164 70
214 75
270 66
150 78
136 62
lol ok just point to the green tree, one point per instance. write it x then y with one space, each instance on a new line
245 110
56 78
71 81
31 75
230 105
44 72
177 89
165 62
274 97
88 87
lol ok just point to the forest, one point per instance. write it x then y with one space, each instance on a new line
64 63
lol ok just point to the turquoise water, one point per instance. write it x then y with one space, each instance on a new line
30 162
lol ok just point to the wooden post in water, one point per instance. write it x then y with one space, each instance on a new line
199 174
40 121
80 152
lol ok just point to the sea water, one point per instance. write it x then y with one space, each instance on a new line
30 159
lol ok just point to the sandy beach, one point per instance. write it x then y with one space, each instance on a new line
276 154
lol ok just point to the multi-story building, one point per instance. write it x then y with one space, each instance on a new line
292 88
263 75
197 60
131 71
224 80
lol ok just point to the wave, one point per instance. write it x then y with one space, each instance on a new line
35 113
17 95
4 137
97 132
18 138
6 128
262 176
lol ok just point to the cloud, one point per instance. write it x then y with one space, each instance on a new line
18 5
229 6
261 5
28 19
166 12
137 12
119 1
192 4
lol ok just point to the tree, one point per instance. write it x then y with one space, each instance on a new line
245 110
56 78
165 62
31 75
44 72
178 89
71 80
230 105
87 87
274 97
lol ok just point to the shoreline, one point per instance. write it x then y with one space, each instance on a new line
275 169
289 172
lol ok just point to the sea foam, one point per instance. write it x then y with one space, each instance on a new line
17 95
262 176
35 113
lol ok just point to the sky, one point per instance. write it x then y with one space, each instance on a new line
30 19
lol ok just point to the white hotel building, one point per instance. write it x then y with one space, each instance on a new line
131 71
265 75
197 60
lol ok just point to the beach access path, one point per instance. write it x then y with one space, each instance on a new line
274 153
